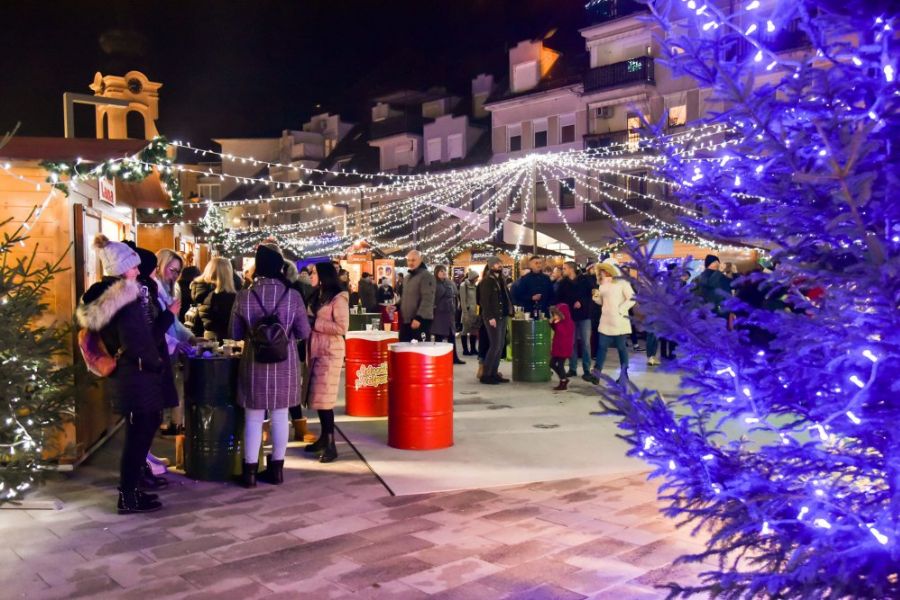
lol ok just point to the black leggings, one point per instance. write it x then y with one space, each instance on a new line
449 339
140 427
559 367
326 419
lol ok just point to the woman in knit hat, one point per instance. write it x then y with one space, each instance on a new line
271 386
132 328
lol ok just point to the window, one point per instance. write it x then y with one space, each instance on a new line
540 139
567 193
454 146
678 115
210 191
515 143
433 150
525 76
566 128
329 145
541 194
633 126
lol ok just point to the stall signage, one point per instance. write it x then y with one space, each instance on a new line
107 190
372 375
482 256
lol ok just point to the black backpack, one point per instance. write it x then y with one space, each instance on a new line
268 337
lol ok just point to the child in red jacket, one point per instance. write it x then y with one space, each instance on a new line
563 342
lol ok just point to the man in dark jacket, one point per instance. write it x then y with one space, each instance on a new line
574 290
367 293
534 291
713 286
495 305
417 299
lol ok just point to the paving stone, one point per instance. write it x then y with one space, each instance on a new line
383 571
441 555
315 571
519 553
520 532
381 532
474 590
601 573
631 592
599 548
388 548
242 588
23 584
67 570
527 576
548 591
394 590
450 575
131 544
683 574
253 547
514 515
159 588
83 588
655 554
185 547
462 499
324 530
144 574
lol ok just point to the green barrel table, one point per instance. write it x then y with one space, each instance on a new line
213 422
530 350
358 321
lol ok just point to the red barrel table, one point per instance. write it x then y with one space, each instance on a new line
420 413
367 372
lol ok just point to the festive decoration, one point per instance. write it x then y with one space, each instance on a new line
36 398
784 446
154 156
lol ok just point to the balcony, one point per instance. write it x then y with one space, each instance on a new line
396 125
604 140
601 11
633 71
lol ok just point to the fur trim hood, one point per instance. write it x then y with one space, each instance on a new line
96 314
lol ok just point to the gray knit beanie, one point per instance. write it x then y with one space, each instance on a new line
117 258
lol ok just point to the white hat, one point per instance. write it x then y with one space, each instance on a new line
117 258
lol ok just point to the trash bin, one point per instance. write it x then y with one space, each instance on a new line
530 350
366 387
420 407
213 422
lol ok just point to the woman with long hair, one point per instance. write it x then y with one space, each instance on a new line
215 312
615 298
330 310
443 328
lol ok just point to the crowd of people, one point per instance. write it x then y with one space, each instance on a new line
151 308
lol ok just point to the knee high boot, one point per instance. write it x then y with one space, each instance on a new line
329 452
464 340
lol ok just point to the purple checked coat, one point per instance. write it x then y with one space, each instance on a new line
273 385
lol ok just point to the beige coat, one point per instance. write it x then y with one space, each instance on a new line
615 298
326 352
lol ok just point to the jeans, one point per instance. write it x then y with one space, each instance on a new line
604 342
558 364
667 348
408 334
497 341
253 423
140 427
652 344
582 343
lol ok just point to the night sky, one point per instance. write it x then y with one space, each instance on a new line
234 69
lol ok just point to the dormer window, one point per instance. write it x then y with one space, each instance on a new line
525 76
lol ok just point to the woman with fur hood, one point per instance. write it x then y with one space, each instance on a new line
132 328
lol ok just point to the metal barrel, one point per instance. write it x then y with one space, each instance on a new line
530 350
366 383
420 412
213 422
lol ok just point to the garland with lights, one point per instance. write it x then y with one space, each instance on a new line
784 449
36 397
130 169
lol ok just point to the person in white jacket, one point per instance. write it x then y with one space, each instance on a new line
615 298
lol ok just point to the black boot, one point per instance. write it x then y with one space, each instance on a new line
274 472
464 340
329 452
316 446
136 501
248 476
149 481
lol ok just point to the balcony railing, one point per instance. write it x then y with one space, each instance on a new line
604 140
395 125
635 70
601 11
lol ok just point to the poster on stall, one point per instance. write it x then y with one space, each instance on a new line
459 273
384 267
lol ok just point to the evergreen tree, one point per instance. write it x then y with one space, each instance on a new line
36 393
783 446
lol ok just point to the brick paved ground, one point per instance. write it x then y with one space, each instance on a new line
335 531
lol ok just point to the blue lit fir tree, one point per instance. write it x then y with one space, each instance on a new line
784 445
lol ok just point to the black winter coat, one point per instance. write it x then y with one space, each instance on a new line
215 312
571 291
493 299
130 320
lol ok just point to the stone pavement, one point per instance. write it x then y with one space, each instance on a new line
333 531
